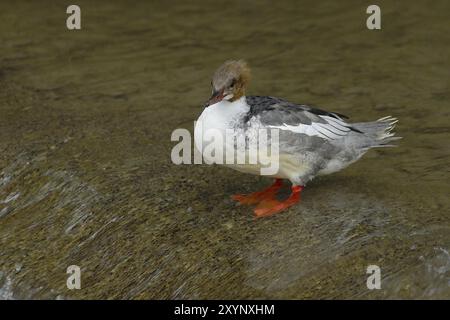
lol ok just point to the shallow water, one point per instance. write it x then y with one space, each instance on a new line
86 176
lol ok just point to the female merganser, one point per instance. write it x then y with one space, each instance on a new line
311 141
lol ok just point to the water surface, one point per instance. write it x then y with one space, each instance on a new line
85 171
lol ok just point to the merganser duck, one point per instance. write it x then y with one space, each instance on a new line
311 142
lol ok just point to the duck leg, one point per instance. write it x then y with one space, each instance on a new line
256 197
269 207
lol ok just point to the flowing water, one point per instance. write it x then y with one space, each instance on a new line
86 177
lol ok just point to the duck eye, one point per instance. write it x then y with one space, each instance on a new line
233 83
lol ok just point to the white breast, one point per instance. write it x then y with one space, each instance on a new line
220 116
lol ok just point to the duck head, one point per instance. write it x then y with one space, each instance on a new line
229 81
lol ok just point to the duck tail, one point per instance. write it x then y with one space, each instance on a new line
379 132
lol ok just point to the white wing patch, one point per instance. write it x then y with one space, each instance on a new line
331 130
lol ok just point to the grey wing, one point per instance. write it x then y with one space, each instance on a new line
297 119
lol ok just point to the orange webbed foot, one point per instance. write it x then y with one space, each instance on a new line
271 206
257 197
